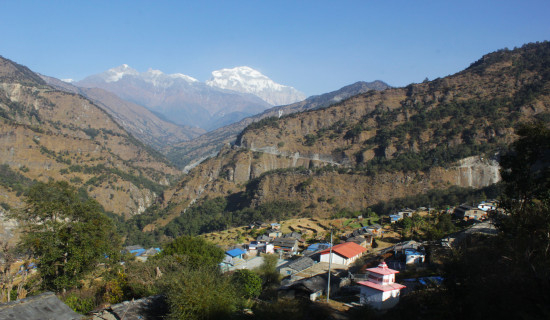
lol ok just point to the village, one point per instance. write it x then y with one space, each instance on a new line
371 261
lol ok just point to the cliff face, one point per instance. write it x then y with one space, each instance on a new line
318 185
381 145
48 134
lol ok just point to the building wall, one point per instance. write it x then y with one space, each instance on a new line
378 299
335 258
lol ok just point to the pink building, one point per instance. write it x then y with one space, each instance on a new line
380 290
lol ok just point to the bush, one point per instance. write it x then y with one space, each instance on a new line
79 303
248 283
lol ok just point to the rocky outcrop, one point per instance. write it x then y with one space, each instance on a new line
477 172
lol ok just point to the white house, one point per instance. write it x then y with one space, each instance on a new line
380 290
487 206
414 257
343 253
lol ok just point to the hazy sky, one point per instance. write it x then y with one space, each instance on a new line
315 46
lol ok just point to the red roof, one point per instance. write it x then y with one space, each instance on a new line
382 269
346 249
382 287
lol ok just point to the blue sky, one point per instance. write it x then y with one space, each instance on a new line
315 46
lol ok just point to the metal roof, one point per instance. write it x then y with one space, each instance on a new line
301 264
346 249
43 306
235 252
382 287
382 269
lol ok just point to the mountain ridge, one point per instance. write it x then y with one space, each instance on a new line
374 146
183 99
144 124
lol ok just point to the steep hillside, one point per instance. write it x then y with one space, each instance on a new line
50 134
138 120
374 146
189 153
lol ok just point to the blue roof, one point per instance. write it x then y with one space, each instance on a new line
412 252
318 246
235 252
137 252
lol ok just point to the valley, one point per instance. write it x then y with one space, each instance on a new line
390 144
295 160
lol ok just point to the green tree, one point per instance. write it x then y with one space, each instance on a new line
68 235
199 251
201 293
247 282
268 270
526 174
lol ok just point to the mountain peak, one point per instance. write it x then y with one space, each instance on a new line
248 80
115 74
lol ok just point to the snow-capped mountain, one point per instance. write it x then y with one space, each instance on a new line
180 98
155 77
247 80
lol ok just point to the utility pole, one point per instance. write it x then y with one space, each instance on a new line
329 266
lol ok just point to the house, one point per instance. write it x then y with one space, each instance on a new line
266 248
361 240
466 212
405 212
255 247
275 226
358 232
273 233
252 248
395 217
136 250
412 252
257 225
375 230
235 253
487 206
380 290
316 247
43 306
414 257
296 266
343 253
144 255
263 239
312 288
289 245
